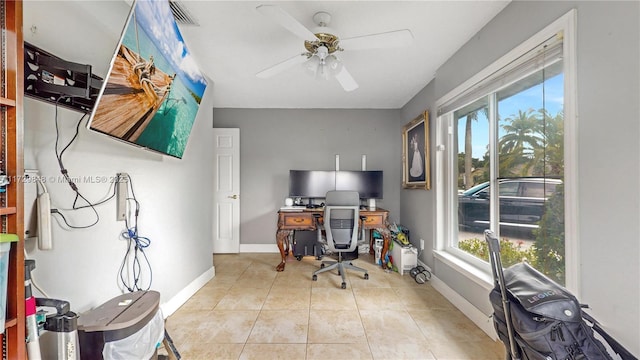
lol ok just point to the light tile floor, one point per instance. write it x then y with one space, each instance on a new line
250 311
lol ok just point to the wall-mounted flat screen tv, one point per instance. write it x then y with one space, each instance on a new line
153 89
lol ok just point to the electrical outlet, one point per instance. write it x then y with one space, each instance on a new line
121 196
421 244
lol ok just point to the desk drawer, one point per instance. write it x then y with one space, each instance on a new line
297 221
374 221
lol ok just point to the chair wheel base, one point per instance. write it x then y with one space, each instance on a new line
344 285
314 278
366 276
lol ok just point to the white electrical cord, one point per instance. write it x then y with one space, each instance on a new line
33 281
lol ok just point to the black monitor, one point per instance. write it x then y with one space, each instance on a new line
311 183
367 183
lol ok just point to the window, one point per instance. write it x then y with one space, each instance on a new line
509 189
509 129
538 190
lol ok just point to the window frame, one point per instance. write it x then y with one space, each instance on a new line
478 270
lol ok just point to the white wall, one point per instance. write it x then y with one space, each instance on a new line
608 54
175 195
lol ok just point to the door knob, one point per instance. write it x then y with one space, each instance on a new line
233 197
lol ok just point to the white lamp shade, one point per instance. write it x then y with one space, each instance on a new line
311 65
334 64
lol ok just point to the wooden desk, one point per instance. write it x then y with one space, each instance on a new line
288 221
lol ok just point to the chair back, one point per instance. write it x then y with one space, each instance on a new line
341 220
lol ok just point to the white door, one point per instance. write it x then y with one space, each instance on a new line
226 191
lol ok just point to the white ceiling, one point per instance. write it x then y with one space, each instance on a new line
233 42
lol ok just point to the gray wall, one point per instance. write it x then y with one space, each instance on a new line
417 209
607 141
273 141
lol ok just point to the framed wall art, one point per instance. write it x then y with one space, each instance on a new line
415 153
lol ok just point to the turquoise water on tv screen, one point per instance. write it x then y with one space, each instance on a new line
169 129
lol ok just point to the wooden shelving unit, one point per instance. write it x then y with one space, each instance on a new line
8 210
12 164
7 102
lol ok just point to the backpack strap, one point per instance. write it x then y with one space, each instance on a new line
616 346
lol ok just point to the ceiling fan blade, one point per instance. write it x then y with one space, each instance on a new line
286 21
346 80
280 67
397 38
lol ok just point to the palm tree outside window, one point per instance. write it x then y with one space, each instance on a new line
528 138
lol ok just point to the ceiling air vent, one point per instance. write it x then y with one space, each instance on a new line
181 14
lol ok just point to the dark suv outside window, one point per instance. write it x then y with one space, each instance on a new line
522 203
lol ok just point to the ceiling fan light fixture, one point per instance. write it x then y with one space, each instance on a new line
322 52
323 71
323 66
311 65
334 64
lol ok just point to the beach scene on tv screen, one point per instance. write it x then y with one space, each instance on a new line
153 90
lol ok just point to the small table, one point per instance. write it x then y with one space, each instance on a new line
305 219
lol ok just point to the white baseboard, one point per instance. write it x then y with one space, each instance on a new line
424 266
484 322
169 307
259 248
481 320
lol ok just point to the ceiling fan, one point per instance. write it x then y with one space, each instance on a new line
321 46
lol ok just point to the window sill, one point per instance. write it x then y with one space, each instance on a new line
474 274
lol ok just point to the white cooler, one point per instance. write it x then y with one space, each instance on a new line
405 258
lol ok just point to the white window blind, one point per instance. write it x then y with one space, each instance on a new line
542 56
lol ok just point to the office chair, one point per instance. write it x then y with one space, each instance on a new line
341 223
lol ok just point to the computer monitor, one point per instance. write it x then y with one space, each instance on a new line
311 183
369 184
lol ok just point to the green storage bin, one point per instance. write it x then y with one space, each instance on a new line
5 248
